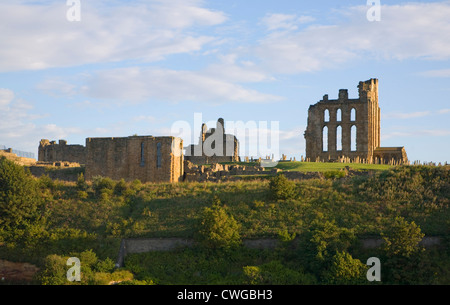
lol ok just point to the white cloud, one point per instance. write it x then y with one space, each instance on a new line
17 127
284 21
436 73
6 96
409 31
417 133
400 115
39 36
139 84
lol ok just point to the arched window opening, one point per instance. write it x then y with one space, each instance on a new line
339 138
326 115
353 138
325 139
353 115
339 115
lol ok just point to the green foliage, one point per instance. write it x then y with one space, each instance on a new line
54 271
19 196
346 270
121 187
93 271
275 273
402 238
217 229
282 188
81 182
325 217
336 174
102 184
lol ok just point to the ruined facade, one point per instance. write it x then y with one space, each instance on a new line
147 158
214 146
349 129
55 152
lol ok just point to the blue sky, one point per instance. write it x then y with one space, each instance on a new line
136 67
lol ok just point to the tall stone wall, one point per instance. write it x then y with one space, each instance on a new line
330 122
147 158
54 152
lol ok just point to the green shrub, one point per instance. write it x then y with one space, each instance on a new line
81 183
217 229
120 187
275 273
102 183
336 174
282 188
20 200
345 270
402 238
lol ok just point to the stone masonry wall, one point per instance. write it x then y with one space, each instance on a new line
147 158
53 152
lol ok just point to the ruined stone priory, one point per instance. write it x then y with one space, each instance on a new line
348 130
214 146
147 158
57 152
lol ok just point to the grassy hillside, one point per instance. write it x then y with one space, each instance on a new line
316 166
326 214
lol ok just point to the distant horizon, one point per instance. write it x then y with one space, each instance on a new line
119 68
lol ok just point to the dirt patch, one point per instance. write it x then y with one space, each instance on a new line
17 272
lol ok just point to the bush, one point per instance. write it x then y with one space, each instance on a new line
81 183
275 273
345 270
100 184
121 187
402 238
19 196
217 229
281 188
334 174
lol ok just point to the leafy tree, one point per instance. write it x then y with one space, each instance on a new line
282 188
402 238
20 202
217 229
346 270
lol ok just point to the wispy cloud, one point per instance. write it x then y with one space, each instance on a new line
284 21
436 73
146 31
412 115
407 31
140 84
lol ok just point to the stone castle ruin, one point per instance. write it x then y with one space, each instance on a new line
341 130
348 130
57 152
147 158
214 146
